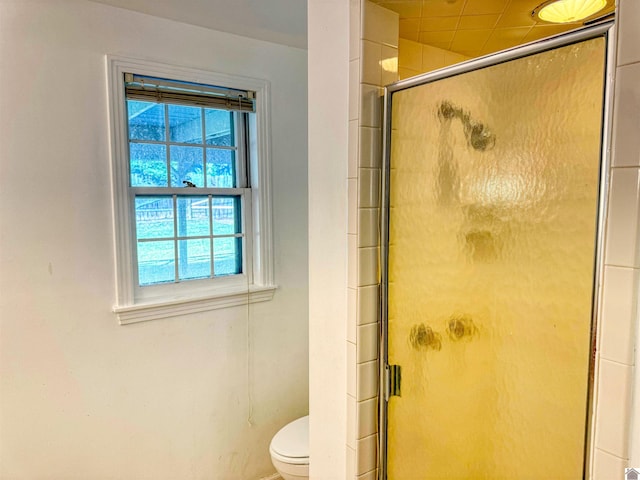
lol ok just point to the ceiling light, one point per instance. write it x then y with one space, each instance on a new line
567 11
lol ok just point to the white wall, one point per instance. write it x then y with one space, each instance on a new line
81 396
328 40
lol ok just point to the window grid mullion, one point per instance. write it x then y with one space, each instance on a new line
211 242
167 132
197 237
203 146
182 144
175 237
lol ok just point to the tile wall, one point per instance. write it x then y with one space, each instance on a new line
373 55
617 442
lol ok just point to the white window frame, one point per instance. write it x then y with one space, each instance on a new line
256 284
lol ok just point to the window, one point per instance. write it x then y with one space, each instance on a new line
191 196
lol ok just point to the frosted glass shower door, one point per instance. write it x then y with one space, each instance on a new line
493 206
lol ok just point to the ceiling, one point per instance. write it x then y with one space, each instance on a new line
278 21
475 27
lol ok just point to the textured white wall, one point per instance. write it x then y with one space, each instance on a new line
80 396
328 40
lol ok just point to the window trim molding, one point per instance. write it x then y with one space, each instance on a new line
261 287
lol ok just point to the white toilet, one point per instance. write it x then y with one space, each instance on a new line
290 450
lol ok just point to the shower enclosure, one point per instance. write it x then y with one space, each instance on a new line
491 237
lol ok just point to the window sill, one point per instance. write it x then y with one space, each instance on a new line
183 306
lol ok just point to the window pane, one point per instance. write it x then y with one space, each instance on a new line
193 216
226 215
227 259
148 165
194 258
186 166
146 120
185 124
219 127
221 168
156 262
154 217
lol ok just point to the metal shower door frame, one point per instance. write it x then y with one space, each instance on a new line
604 29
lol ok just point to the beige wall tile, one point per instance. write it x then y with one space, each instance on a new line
379 24
366 454
622 224
390 27
372 475
370 57
370 147
367 381
607 466
389 65
370 106
368 227
433 58
626 116
368 187
367 343
612 408
619 314
367 266
368 304
469 37
409 55
367 418
407 73
628 31
451 58
409 29
437 39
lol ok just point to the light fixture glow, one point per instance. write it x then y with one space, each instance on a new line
567 11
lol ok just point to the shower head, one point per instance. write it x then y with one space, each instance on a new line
478 136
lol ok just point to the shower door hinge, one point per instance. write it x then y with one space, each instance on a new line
393 380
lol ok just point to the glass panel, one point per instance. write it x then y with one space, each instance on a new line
156 262
148 165
226 215
193 216
227 258
146 121
187 165
221 168
194 258
493 206
154 217
185 124
219 127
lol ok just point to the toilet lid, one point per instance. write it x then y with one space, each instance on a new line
292 441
